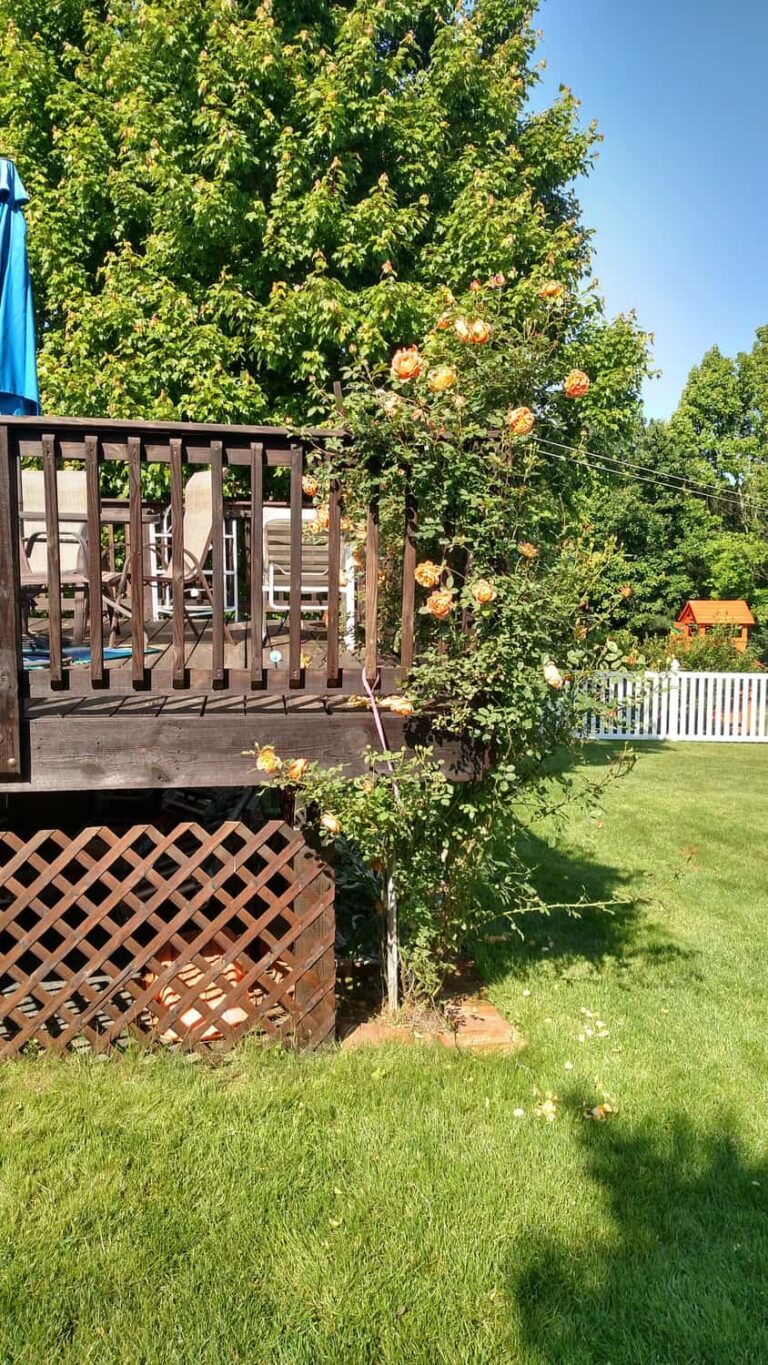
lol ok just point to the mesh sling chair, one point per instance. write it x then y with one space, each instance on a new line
197 531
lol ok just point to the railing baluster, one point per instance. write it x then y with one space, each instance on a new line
257 564
54 560
95 604
10 622
372 593
334 570
217 552
177 564
294 607
409 586
136 561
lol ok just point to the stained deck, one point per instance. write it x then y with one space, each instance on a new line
183 705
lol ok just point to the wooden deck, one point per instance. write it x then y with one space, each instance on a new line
184 704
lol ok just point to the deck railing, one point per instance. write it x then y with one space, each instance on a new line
89 444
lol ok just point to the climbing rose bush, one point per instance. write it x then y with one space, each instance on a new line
511 609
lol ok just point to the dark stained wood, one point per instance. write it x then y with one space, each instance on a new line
96 616
123 751
160 679
136 562
372 593
10 617
409 586
315 991
142 933
257 565
54 559
294 606
334 568
217 556
177 563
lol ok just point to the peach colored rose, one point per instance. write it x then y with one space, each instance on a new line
480 332
444 322
296 769
475 286
267 760
520 421
551 289
552 675
483 591
427 574
626 590
440 604
463 329
497 281
321 519
442 377
330 823
576 384
310 485
527 550
399 706
406 363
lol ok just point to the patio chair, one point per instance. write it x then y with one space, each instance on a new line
314 574
73 535
35 581
197 536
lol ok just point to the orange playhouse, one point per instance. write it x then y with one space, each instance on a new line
698 617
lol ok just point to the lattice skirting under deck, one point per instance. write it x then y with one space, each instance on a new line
191 937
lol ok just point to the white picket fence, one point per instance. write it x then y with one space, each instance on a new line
724 707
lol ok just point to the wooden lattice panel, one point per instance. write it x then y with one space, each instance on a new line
192 936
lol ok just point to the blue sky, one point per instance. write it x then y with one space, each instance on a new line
679 196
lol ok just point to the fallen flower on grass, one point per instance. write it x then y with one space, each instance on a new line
547 1108
518 1113
568 1066
600 1113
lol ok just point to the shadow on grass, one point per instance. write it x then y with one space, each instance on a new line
597 916
679 1274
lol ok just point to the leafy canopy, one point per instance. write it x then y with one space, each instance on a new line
230 198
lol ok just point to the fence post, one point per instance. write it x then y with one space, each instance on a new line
10 623
673 714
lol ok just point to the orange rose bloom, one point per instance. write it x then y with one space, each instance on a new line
475 285
483 591
527 550
480 332
321 519
576 384
444 322
427 574
296 769
330 822
399 706
440 604
520 421
441 378
463 329
406 363
551 289
553 676
626 590
267 760
497 281
310 485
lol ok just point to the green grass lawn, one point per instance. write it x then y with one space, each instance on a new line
389 1205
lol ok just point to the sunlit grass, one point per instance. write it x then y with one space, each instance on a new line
388 1206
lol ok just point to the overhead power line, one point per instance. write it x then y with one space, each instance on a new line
635 473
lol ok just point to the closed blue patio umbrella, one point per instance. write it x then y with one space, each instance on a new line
19 393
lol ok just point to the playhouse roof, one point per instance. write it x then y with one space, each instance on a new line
704 613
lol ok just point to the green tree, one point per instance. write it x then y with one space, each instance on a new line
230 199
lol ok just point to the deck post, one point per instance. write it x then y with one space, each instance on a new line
10 622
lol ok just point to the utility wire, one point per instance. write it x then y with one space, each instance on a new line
611 464
649 469
599 465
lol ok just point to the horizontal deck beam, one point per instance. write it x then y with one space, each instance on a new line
90 751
